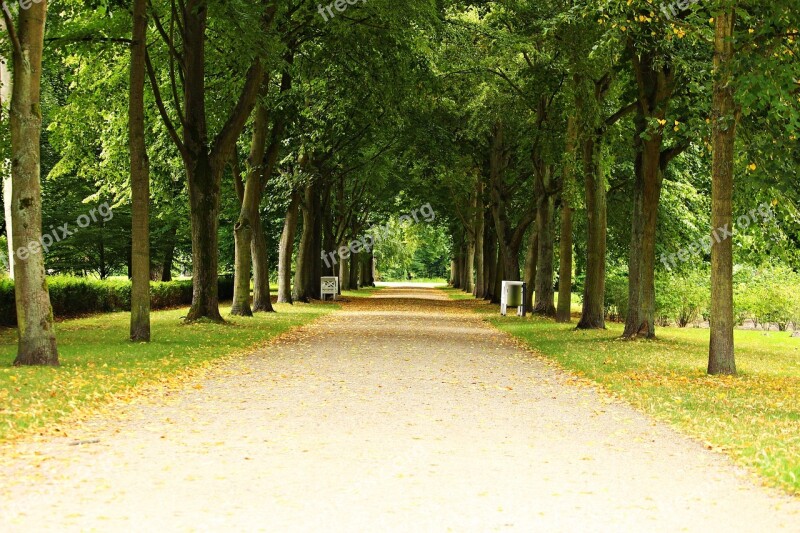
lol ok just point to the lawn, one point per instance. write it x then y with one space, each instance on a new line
754 417
98 362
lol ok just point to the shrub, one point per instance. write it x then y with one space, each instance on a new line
768 296
73 296
682 298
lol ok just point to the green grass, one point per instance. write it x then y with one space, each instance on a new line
457 294
754 417
98 362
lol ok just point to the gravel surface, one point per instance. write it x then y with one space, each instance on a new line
401 412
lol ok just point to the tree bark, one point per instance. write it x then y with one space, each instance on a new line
37 339
249 220
140 182
499 276
531 260
655 79
355 263
303 281
593 312
545 296
489 256
721 355
262 295
344 273
564 310
286 248
478 229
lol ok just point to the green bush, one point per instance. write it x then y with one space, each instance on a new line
769 296
74 296
682 298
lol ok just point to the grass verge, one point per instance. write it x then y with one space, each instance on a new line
754 417
99 363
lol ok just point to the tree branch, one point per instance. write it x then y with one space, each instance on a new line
173 133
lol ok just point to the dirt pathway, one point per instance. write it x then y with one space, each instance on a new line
401 412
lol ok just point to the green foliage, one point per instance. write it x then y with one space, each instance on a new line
683 299
768 296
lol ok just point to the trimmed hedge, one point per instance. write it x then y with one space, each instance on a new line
73 296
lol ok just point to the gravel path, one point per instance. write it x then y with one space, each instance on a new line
401 412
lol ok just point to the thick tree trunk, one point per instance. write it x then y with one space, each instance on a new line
204 203
655 78
531 259
140 182
593 313
640 321
478 229
304 275
286 248
545 296
564 310
249 221
721 355
262 296
37 339
204 159
457 265
242 236
453 272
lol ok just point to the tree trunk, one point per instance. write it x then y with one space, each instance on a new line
721 355
286 248
262 295
545 296
344 273
499 276
37 339
303 279
531 259
478 229
355 263
593 313
242 236
640 321
5 165
489 256
140 182
564 311
204 203
204 159
655 80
